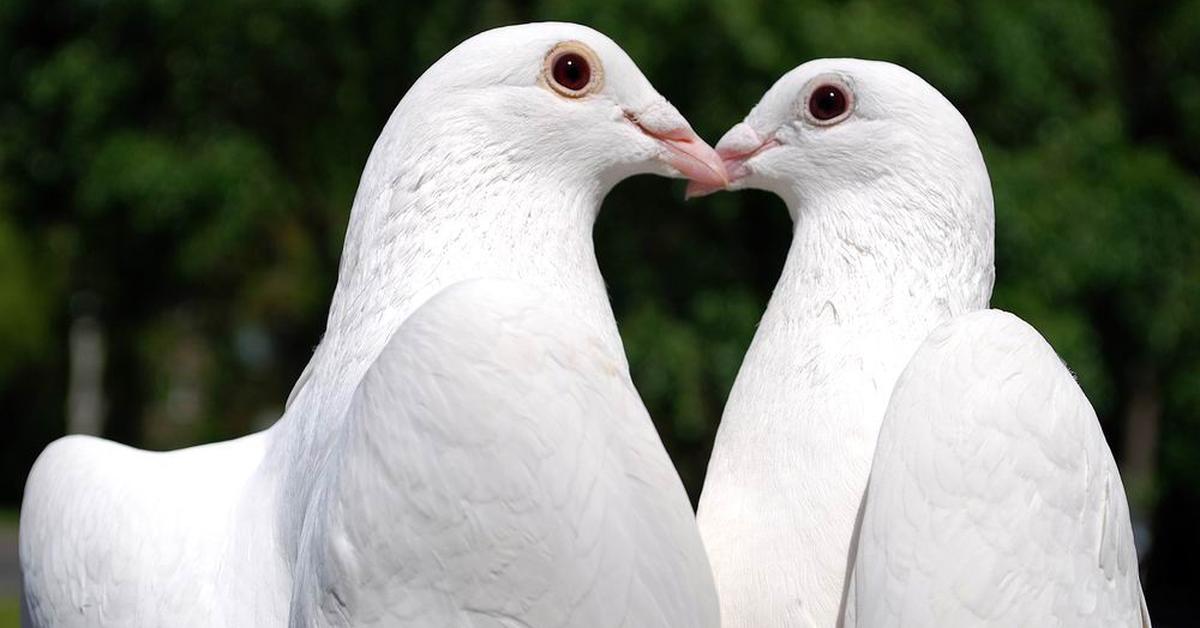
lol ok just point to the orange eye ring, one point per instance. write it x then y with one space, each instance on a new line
573 70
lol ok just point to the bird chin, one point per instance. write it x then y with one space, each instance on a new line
695 189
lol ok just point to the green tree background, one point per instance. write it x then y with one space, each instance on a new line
175 179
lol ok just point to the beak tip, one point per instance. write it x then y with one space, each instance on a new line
691 157
697 189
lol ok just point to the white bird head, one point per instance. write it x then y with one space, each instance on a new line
495 163
834 124
563 101
868 154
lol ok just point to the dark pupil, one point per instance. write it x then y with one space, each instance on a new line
827 102
572 72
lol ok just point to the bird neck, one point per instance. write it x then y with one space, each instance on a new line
415 242
866 279
432 211
854 300
885 256
445 199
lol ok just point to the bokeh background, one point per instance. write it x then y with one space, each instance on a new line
175 179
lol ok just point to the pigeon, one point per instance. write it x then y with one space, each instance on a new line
465 447
881 391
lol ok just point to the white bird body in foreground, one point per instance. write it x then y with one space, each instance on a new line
893 238
116 536
517 480
994 499
794 448
458 459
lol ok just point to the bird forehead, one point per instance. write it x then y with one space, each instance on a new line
524 46
881 90
515 55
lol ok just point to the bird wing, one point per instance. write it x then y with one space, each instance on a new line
115 536
993 499
499 469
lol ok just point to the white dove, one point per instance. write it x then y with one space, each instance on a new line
993 497
465 447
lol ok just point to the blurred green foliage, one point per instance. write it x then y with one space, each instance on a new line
181 172
10 612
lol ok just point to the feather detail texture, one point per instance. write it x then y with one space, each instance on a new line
515 479
994 499
487 463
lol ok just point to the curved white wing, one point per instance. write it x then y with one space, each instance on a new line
993 499
499 469
115 536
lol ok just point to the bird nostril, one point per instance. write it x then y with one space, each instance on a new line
739 142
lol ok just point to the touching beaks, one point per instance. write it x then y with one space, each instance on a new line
688 154
736 147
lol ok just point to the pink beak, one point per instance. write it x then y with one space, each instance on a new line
691 156
736 147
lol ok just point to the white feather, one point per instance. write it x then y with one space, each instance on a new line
894 237
523 493
882 252
115 536
515 477
994 499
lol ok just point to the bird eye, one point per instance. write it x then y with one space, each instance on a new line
828 103
572 70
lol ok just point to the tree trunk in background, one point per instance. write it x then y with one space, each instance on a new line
86 404
1142 416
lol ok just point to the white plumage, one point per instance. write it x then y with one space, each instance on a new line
514 478
993 498
455 454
